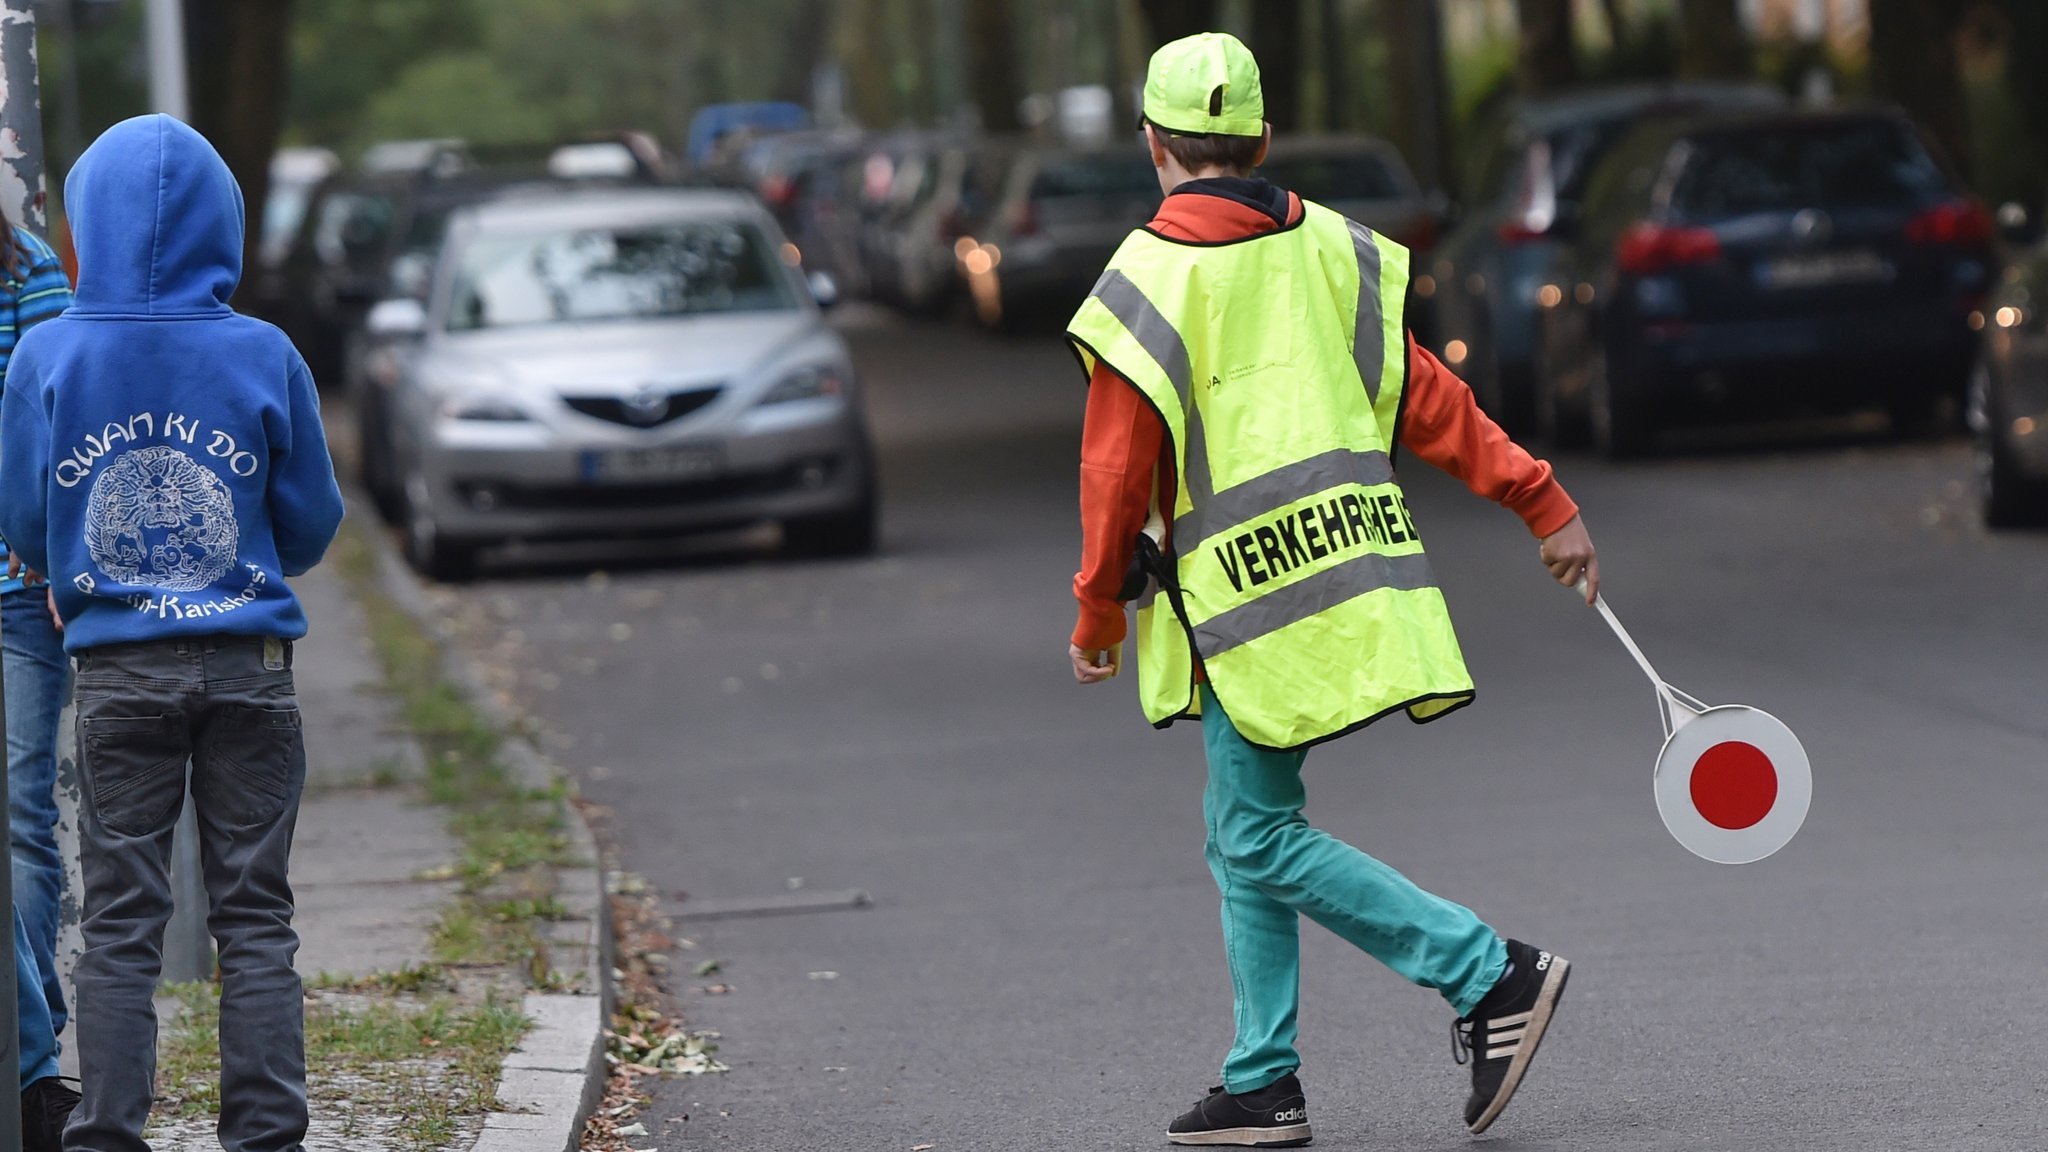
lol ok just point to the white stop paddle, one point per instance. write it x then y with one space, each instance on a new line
1732 783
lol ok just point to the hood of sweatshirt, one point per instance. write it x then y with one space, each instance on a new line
157 220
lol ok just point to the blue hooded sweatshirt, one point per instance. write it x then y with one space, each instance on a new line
176 444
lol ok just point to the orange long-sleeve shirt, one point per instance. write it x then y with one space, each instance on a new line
1124 465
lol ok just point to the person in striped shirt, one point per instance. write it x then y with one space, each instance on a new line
33 288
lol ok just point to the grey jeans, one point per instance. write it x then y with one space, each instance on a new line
226 704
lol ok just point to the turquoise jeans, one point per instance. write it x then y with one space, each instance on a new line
1271 866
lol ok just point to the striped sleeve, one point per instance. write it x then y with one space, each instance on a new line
46 292
41 295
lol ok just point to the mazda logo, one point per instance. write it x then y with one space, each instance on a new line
646 407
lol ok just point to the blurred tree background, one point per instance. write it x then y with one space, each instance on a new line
1426 73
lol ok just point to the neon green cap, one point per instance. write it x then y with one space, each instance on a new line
1206 85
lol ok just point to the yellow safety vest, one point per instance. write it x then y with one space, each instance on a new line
1294 576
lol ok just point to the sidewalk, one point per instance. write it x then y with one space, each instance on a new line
405 1035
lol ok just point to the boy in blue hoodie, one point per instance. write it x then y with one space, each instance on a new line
184 473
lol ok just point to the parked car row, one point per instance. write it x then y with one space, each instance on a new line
587 346
1015 231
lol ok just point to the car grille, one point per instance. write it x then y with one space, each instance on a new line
628 411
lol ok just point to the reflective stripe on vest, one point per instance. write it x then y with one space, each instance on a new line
1301 584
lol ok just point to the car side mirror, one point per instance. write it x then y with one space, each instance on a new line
824 289
401 317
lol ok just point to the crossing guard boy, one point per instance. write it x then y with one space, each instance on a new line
1250 381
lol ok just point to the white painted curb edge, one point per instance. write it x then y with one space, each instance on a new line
556 1076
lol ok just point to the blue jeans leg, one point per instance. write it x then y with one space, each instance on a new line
1271 865
38 682
38 1038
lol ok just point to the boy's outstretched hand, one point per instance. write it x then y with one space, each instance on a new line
1568 553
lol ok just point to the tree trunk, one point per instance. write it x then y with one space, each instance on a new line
1337 65
1276 41
1711 43
1123 26
1617 23
1913 62
810 36
992 64
1415 56
238 52
1172 19
864 47
1546 59
2026 75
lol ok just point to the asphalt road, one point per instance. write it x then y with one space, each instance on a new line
1041 967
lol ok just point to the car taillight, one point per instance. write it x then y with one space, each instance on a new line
1422 236
779 191
1961 222
1650 248
1516 231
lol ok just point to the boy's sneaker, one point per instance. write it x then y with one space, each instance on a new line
1275 1116
46 1107
1503 1031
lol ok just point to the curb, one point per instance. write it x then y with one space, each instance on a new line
554 1079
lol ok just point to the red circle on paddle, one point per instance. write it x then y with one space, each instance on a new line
1734 785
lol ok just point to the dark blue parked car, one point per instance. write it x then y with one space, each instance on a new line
1739 265
1481 281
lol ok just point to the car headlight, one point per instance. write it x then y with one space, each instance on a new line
807 384
486 407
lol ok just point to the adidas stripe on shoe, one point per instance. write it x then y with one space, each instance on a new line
1503 1032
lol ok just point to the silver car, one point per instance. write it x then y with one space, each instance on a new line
625 362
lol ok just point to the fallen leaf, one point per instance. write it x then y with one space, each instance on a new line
706 968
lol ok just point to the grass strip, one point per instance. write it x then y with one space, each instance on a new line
510 836
398 1069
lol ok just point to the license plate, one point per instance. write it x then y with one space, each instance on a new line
1824 269
675 462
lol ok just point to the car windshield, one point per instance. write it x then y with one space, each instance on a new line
570 276
1856 165
1104 177
284 211
1357 176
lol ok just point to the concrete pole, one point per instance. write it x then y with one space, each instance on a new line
168 91
188 949
21 193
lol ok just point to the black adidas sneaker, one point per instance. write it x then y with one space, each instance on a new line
1275 1116
1501 1035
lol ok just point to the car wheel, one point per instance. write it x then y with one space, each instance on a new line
1917 415
373 456
430 552
1623 425
851 531
1555 423
2011 499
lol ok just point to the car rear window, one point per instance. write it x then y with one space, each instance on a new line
1356 176
1772 169
568 276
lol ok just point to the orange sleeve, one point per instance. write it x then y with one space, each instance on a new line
1441 422
1120 442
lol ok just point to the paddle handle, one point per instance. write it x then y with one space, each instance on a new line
1673 705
